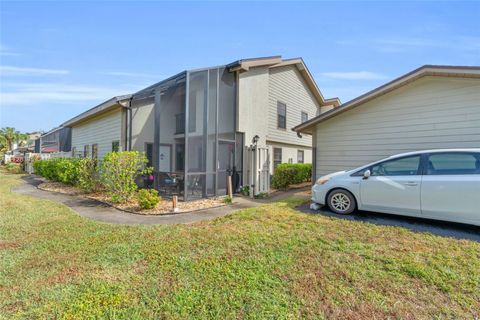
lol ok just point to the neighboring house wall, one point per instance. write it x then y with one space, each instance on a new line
429 113
101 130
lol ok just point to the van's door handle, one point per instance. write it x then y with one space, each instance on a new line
411 183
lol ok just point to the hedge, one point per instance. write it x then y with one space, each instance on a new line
291 173
116 174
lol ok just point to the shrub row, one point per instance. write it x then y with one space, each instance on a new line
116 174
291 173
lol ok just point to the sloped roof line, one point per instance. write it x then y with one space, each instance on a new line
426 70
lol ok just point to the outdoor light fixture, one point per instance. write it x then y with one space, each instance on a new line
255 139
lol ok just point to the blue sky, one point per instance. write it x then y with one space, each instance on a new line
58 59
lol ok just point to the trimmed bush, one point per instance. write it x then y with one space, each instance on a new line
63 170
291 173
119 171
148 198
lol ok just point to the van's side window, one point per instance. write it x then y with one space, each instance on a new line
453 163
407 166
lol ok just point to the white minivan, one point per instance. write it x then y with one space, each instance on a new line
434 184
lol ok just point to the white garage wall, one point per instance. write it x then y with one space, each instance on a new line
101 130
432 112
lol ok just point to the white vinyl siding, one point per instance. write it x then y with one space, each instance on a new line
102 130
287 85
429 113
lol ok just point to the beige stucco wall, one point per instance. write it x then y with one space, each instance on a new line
143 125
253 104
429 113
102 130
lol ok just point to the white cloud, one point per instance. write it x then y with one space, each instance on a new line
20 71
23 94
354 75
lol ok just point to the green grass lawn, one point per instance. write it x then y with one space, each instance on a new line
266 262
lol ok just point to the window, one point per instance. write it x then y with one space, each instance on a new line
300 154
115 146
304 117
86 151
94 151
407 166
277 157
281 115
453 163
179 157
149 154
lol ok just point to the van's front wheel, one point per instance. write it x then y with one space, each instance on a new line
341 201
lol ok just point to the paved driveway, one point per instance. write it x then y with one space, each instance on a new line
440 228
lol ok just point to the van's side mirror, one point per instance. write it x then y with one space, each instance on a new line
366 174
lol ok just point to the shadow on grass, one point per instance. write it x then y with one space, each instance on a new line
436 227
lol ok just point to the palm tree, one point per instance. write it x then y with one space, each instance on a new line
10 136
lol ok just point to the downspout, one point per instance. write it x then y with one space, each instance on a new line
131 121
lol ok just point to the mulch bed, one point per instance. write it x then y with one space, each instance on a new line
163 207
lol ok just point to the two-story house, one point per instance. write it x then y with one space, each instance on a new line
195 126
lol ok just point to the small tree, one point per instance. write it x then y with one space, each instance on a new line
119 171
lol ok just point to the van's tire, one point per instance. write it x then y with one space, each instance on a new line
341 201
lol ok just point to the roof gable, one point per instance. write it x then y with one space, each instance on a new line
426 70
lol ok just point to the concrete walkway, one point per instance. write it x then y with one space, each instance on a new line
96 210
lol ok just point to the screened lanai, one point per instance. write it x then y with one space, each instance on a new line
195 145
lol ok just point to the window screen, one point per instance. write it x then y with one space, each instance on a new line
300 154
115 146
281 115
304 117
453 163
86 151
277 157
94 151
149 154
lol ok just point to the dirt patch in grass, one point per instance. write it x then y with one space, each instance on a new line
4 244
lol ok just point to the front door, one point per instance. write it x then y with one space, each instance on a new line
226 161
165 158
393 187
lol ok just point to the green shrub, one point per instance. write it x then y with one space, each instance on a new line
63 170
291 173
67 170
227 200
14 167
87 177
148 198
38 167
245 190
119 171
